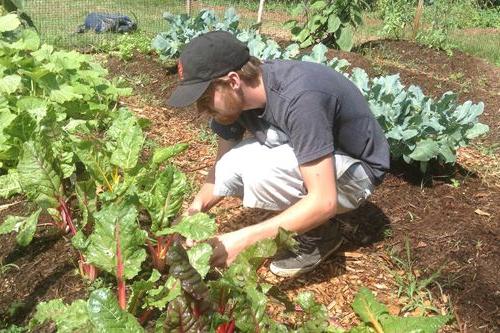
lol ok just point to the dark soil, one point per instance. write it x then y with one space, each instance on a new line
454 229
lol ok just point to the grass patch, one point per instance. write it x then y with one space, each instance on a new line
483 45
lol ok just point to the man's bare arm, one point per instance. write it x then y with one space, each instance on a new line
205 199
315 208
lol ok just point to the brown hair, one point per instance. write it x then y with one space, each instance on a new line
249 73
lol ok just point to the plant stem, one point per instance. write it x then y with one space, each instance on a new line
122 296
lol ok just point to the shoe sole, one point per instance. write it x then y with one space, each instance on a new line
298 271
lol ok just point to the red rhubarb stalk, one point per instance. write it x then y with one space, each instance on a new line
122 297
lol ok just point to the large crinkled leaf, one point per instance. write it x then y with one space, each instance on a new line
68 318
28 229
345 39
165 153
96 161
38 177
106 315
65 93
139 290
196 227
159 297
9 184
164 196
9 22
477 130
367 308
425 150
179 318
10 83
393 324
102 250
127 138
199 257
181 269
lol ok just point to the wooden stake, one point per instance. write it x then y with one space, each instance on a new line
259 13
188 7
418 16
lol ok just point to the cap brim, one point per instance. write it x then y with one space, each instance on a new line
185 95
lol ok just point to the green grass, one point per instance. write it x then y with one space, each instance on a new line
57 20
484 45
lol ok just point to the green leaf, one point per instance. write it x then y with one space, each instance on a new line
181 269
199 257
12 224
102 250
65 93
139 289
128 141
196 227
164 154
477 130
333 23
9 22
392 324
28 229
179 318
425 150
318 5
9 184
367 308
106 315
164 198
37 175
10 83
161 296
68 318
345 39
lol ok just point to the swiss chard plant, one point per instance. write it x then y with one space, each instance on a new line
328 22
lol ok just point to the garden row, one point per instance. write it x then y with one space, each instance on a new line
81 162
418 128
66 146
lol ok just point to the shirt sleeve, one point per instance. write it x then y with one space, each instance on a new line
309 123
233 132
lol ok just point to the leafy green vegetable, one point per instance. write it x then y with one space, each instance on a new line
377 316
102 248
106 316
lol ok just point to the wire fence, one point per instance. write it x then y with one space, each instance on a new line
57 21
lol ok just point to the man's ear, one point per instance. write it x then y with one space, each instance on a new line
234 80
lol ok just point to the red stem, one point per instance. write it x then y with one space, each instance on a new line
122 296
66 216
231 326
145 316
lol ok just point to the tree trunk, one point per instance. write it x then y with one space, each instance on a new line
188 7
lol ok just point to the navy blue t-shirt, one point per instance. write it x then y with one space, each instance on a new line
319 112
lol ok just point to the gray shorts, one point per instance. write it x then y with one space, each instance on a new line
270 178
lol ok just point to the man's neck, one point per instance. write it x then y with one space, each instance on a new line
254 97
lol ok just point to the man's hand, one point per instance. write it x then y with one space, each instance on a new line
226 248
194 208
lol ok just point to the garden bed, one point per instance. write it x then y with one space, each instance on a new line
450 219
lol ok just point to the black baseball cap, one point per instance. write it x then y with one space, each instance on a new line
206 57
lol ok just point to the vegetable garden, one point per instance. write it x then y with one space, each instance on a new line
95 174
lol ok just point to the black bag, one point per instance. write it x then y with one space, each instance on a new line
102 22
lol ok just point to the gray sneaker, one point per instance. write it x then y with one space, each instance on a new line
313 248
